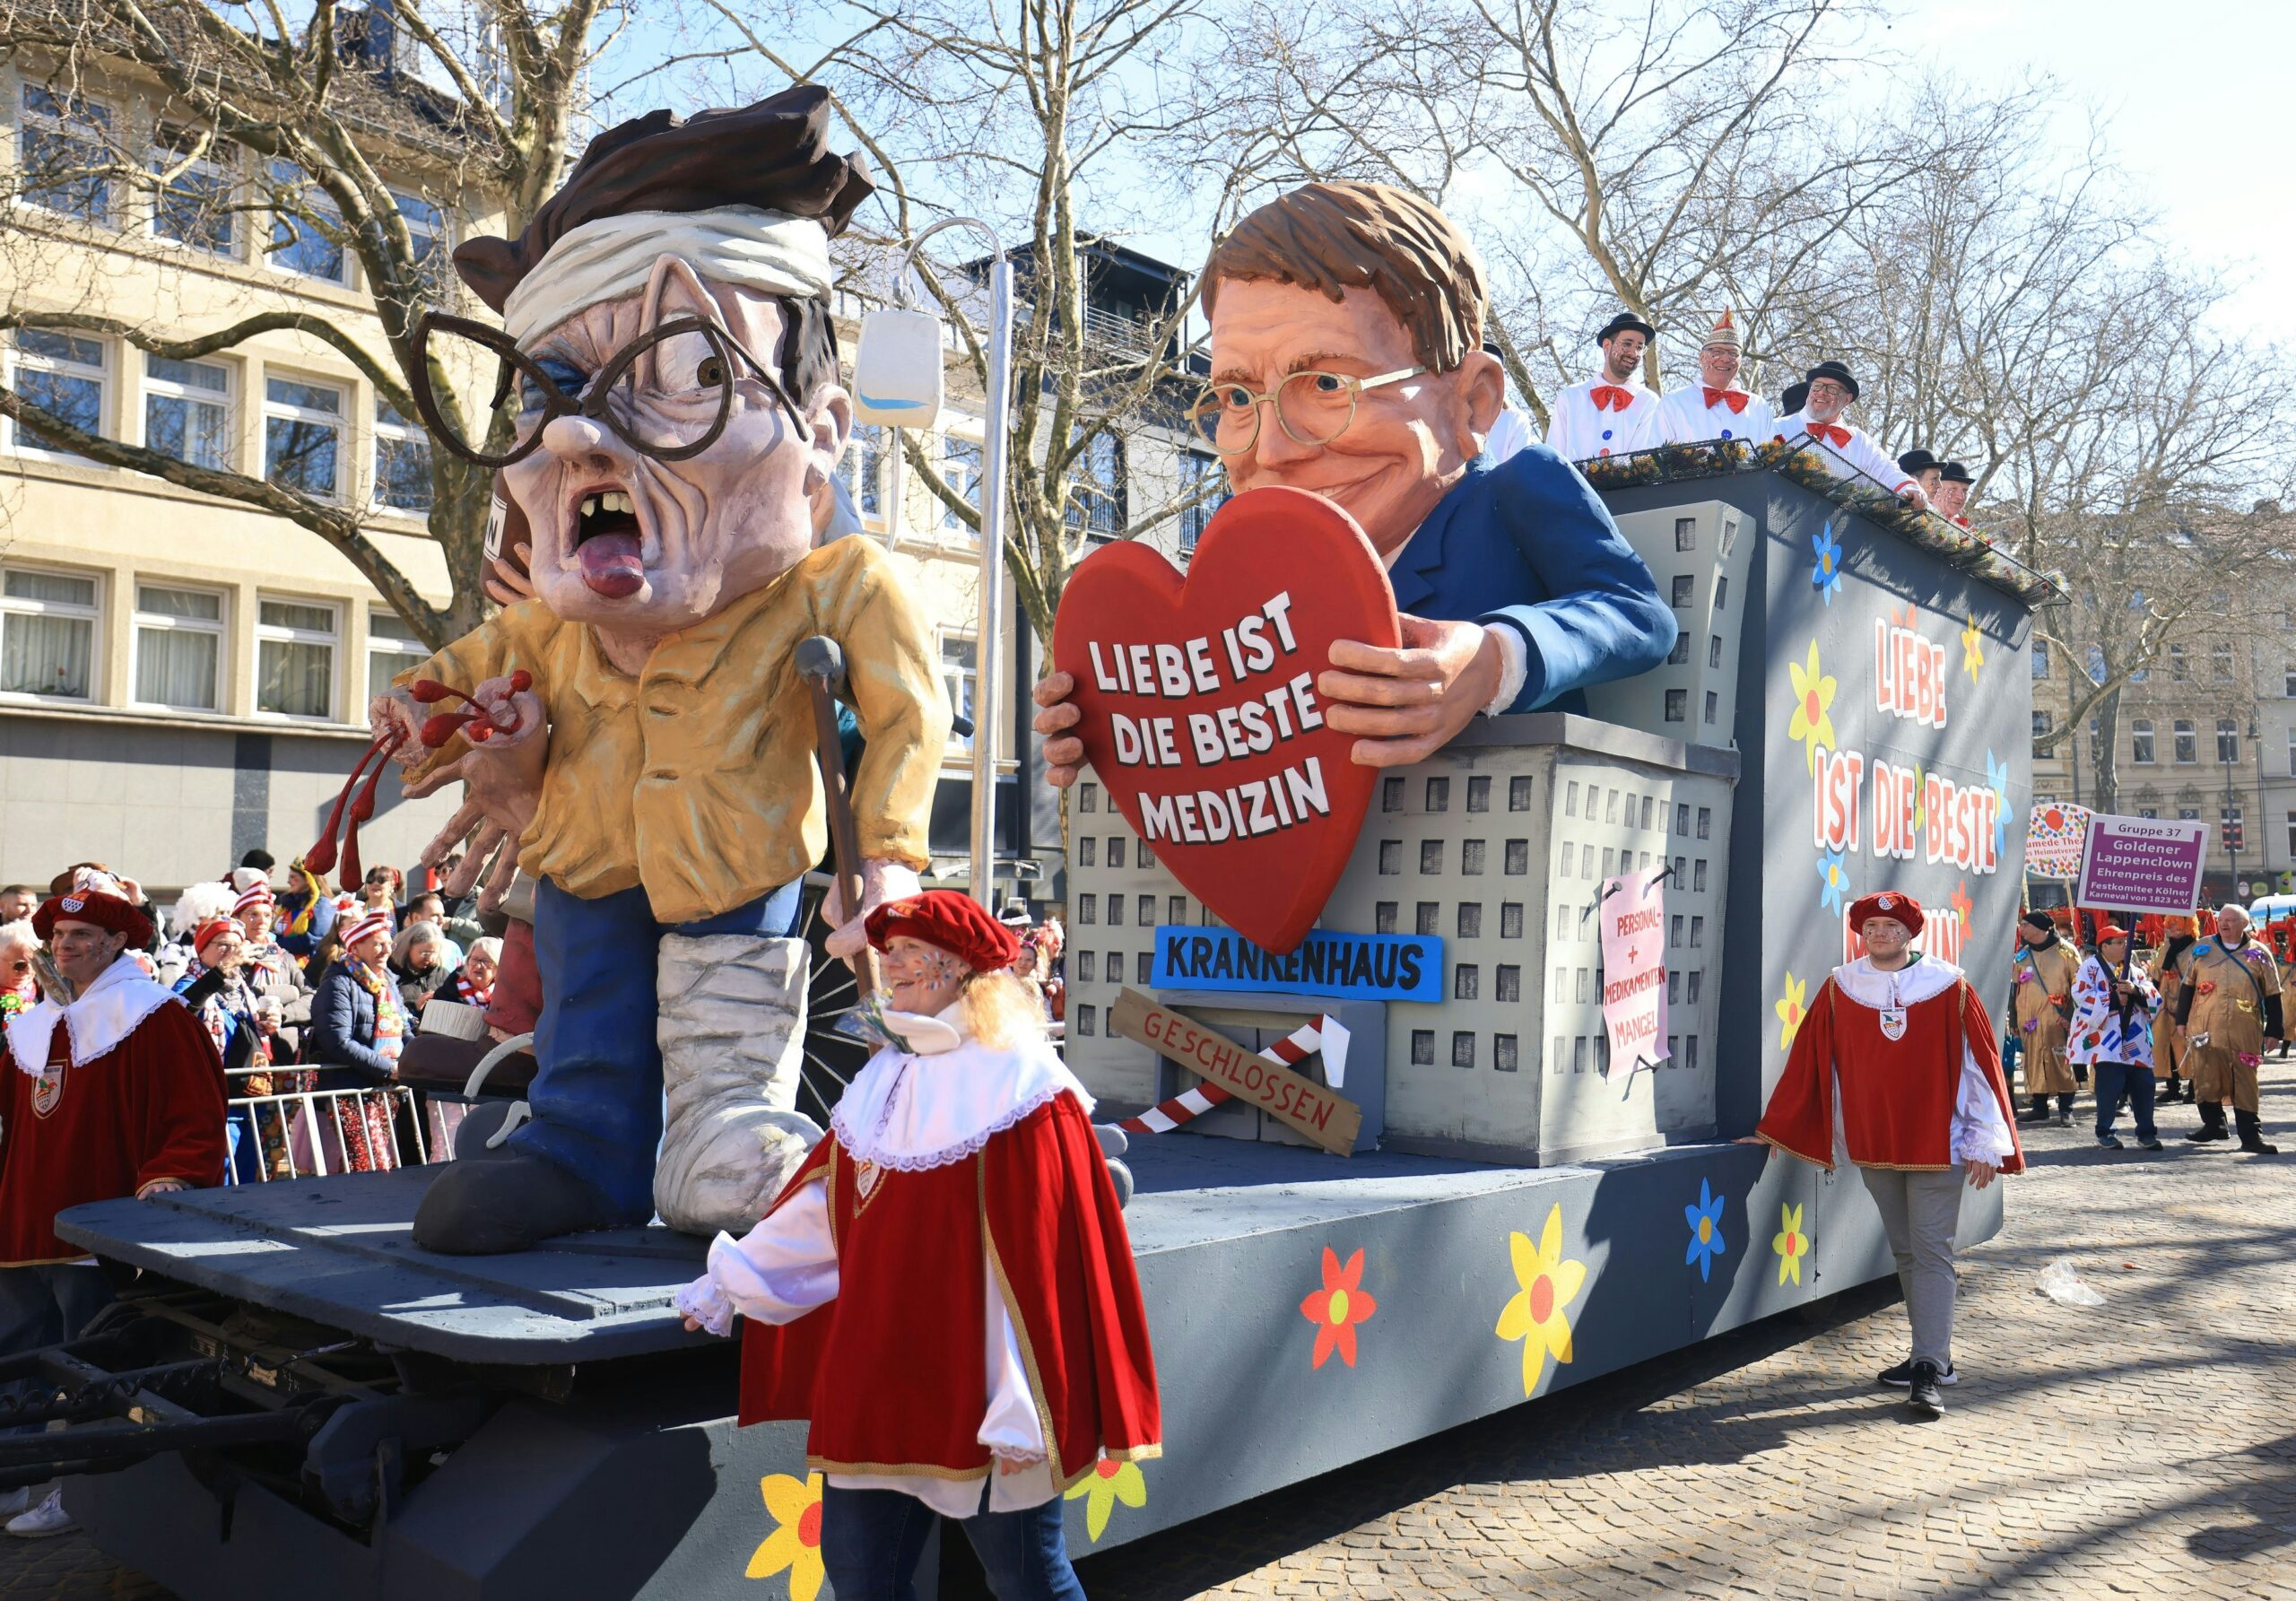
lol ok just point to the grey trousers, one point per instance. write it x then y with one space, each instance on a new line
1920 1212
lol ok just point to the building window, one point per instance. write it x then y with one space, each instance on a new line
2042 725
402 462
2179 669
2186 740
187 411
295 644
1686 534
1680 652
47 633
305 230
2228 741
179 647
1096 495
391 649
864 471
303 436
64 375
64 156
1685 589
195 206
1201 476
961 678
428 232
2220 662
2291 835
2140 742
1428 918
2040 659
1504 1054
960 467
1422 1047
1677 706
1462 1048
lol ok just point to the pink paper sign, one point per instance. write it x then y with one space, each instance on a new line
1633 911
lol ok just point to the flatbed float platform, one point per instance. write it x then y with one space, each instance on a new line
1236 1241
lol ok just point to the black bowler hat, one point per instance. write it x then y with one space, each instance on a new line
1953 471
1914 463
1625 322
1793 399
1834 370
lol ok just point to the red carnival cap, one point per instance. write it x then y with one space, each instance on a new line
211 927
1888 903
93 906
2111 931
956 923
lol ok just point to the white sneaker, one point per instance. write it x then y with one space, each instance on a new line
47 1518
17 1502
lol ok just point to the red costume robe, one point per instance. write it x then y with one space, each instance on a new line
98 1100
991 1184
1899 1072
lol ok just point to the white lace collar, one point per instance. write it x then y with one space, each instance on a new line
917 1109
1919 980
120 1000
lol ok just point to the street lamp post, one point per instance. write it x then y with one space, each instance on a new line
995 436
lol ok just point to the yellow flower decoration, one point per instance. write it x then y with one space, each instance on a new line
1099 1490
1791 1007
1972 650
1813 692
1791 1244
794 1505
1534 1315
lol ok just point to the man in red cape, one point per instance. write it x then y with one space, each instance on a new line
1897 1069
945 1288
114 1091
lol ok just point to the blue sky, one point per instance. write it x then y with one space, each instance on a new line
2194 100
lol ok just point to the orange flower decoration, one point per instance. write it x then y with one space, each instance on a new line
2207 987
1337 1307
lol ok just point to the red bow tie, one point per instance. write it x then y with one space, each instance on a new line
1735 399
1610 397
1834 435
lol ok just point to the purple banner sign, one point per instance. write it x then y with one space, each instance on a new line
2141 864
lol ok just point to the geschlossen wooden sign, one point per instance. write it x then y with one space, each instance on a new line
1200 708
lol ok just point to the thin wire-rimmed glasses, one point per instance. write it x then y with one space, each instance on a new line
670 423
1313 407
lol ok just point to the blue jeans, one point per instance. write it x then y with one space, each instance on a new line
596 1096
2116 1079
871 1539
48 1303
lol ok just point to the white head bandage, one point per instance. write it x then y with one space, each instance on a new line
614 257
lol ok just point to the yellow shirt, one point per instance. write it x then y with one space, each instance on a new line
697 778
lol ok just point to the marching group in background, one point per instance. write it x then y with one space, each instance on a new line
2177 1009
1616 414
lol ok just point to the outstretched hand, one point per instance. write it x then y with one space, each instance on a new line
502 778
1410 700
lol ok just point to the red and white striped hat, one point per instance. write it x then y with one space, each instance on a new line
258 894
377 920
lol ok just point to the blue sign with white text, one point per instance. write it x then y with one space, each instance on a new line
1356 966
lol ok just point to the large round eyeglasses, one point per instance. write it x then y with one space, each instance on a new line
1314 407
667 394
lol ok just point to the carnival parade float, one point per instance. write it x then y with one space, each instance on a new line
1429 1077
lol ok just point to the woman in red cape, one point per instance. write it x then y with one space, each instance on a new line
945 1289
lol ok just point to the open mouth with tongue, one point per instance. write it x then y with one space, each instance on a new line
607 542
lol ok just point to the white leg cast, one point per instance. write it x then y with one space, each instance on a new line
732 1032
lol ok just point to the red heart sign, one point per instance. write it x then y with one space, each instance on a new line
1200 708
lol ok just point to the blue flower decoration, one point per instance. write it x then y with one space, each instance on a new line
1825 572
1833 881
1997 778
1706 1241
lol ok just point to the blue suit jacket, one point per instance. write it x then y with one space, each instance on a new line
1526 543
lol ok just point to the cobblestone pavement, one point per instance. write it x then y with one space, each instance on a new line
2143 1447
2146 1448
